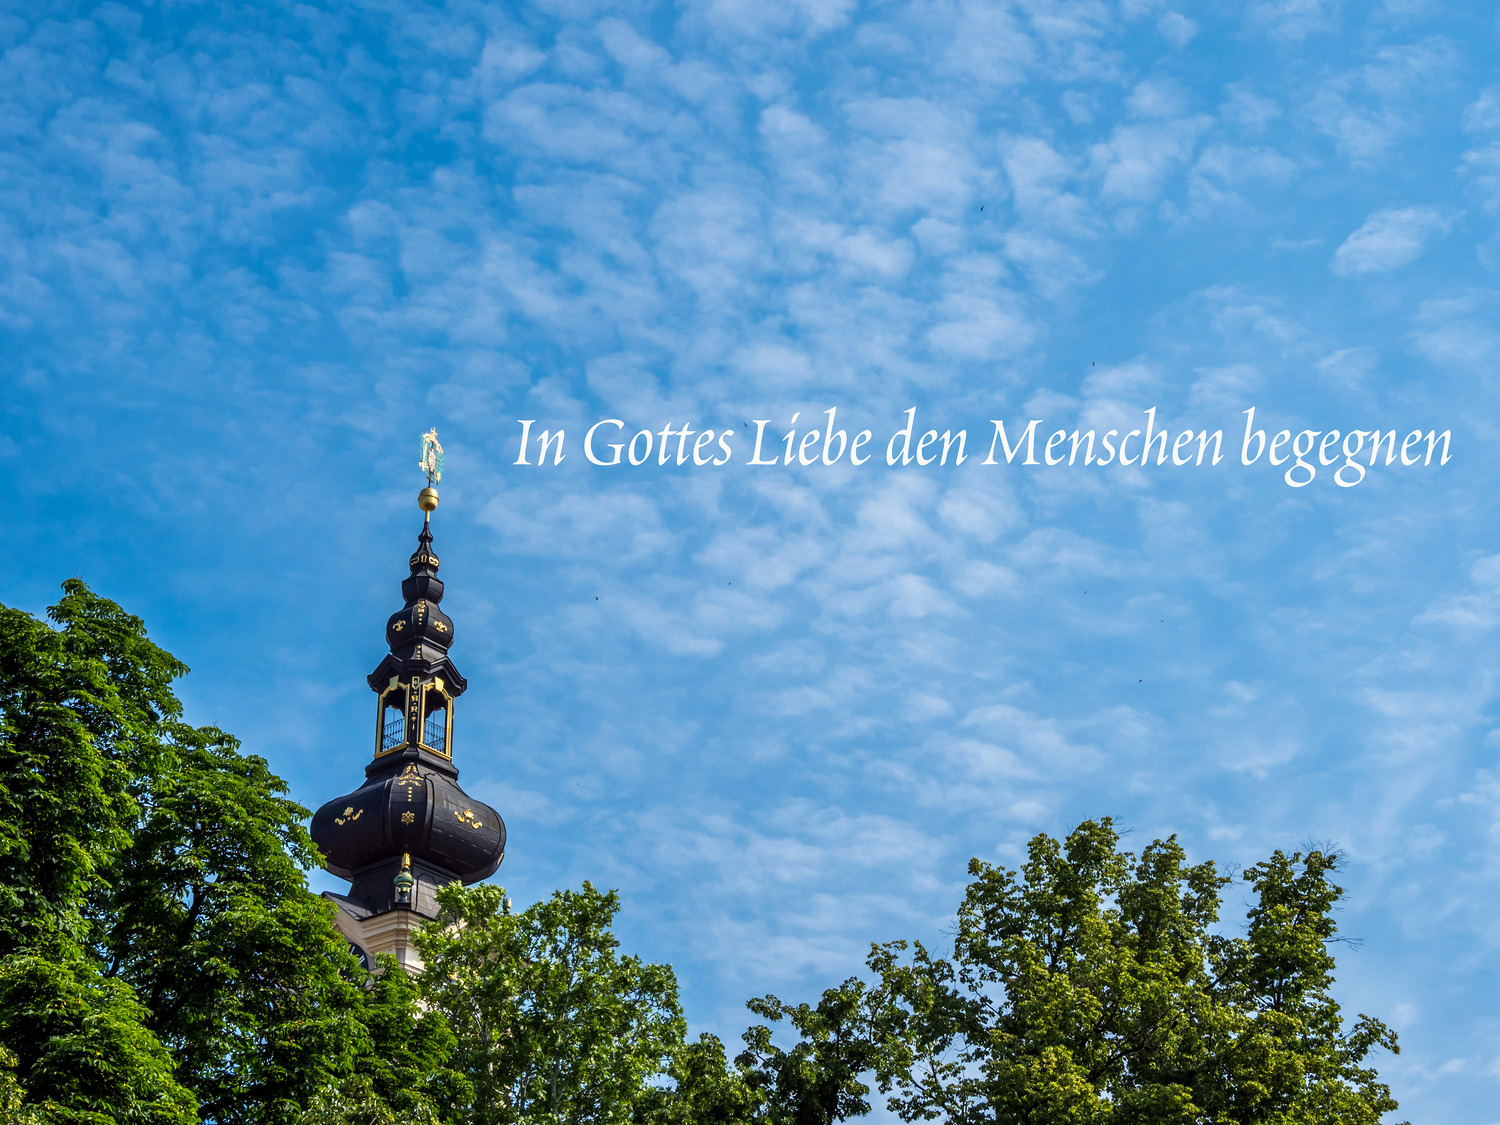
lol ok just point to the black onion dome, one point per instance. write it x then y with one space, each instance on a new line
412 810
420 623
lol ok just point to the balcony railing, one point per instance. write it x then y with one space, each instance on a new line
435 733
394 734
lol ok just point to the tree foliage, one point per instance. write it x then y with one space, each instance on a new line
161 957
402 1074
705 1089
209 918
816 1081
1090 986
86 1055
553 1024
82 716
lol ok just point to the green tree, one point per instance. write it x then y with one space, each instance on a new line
817 1081
208 916
705 1090
408 1063
402 1076
553 1025
85 1054
1290 1057
1088 987
82 709
81 712
160 953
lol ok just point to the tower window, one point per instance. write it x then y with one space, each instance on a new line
435 717
392 718
435 730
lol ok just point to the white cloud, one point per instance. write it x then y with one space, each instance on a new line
1388 240
1137 159
507 59
988 43
1371 109
1483 114
1477 609
1481 167
1221 168
1156 97
1458 332
867 253
1247 110
756 19
1176 29
1293 20
1236 164
979 327
1349 366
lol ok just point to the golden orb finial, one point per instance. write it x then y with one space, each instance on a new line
427 499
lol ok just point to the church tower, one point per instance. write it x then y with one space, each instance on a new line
409 829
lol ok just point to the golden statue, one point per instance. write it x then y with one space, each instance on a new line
431 464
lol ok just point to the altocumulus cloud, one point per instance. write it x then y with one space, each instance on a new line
1389 240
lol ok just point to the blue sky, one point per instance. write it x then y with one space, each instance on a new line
249 253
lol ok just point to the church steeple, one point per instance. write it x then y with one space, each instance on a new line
409 829
417 682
